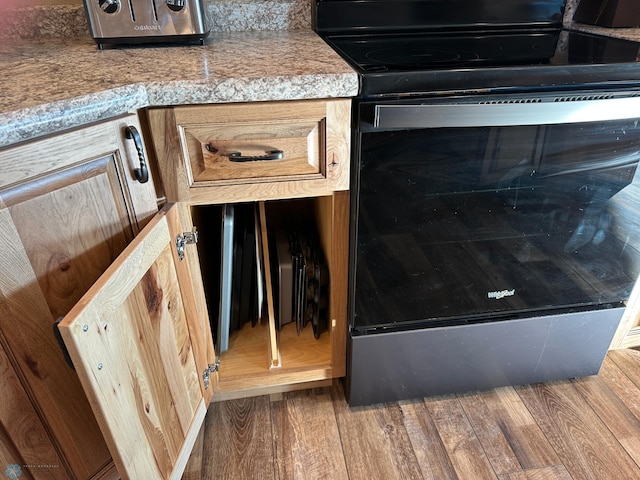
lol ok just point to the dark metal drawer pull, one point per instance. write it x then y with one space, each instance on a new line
142 173
238 157
271 155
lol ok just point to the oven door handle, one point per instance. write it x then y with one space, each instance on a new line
392 117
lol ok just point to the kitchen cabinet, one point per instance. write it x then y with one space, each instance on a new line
23 438
69 204
141 338
192 145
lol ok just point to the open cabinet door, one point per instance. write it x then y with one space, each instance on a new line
141 356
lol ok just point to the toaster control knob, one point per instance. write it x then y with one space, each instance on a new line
109 6
175 5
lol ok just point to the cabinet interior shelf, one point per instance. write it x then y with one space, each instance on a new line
247 361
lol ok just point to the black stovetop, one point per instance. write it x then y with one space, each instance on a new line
401 52
421 63
409 57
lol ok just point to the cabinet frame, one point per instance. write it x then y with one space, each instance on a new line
180 136
132 290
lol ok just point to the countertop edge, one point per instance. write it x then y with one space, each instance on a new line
46 118
51 118
632 34
78 84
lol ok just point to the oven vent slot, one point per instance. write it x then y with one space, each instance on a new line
601 96
511 100
582 98
553 99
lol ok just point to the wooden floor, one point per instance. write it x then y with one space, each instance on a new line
579 429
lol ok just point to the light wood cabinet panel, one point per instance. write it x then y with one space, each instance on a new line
138 357
140 334
23 439
69 204
628 333
193 145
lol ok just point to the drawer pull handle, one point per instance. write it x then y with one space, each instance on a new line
271 155
238 157
142 173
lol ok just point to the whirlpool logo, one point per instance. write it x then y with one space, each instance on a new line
501 294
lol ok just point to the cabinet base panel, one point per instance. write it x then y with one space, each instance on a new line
274 389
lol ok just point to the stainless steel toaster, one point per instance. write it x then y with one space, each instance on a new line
141 21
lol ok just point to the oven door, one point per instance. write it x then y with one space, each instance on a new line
478 209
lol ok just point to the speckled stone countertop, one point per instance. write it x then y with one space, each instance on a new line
54 77
628 33
52 84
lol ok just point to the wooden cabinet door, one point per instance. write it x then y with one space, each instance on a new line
25 446
140 353
69 204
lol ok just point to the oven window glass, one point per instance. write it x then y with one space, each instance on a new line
458 225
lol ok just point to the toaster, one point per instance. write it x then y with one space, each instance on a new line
144 21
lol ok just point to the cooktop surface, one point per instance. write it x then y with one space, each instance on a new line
408 63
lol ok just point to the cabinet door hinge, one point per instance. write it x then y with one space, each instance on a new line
212 368
185 239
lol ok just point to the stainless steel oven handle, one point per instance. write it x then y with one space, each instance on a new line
388 117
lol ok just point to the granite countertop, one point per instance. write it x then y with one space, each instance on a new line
52 84
627 33
55 78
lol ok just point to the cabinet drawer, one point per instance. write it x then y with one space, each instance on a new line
248 151
254 151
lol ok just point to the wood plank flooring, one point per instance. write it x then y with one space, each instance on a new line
582 429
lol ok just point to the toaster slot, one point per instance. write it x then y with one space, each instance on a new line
133 13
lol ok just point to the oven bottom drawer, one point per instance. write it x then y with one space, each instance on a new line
418 363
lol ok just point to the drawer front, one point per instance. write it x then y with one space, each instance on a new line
252 151
255 151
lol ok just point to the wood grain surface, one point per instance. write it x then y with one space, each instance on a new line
568 430
192 143
130 341
69 204
23 438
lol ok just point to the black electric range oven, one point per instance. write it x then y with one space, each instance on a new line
495 193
